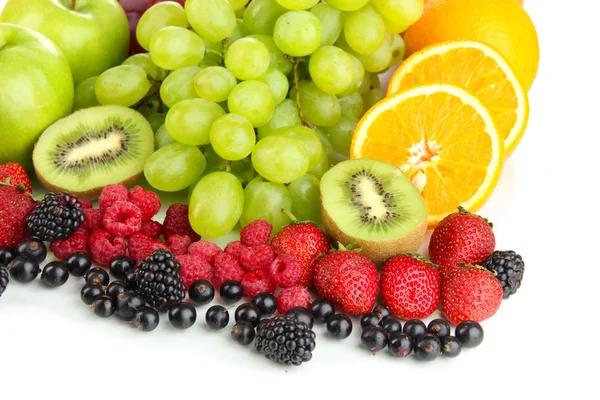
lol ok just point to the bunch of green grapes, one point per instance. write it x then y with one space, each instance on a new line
252 102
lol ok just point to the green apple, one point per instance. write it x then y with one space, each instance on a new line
36 89
92 34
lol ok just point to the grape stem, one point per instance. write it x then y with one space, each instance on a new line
73 4
295 62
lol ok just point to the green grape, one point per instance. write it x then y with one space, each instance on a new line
306 198
162 137
297 33
123 85
277 82
373 97
331 22
398 50
174 167
309 139
252 100
280 159
179 86
213 161
297 5
261 15
371 81
238 4
155 119
213 54
340 135
319 108
232 137
239 32
214 83
85 94
390 27
216 204
403 12
189 121
379 60
266 200
364 30
348 5
213 20
322 167
358 76
143 60
352 106
243 170
324 138
278 59
247 59
286 114
331 69
174 47
157 17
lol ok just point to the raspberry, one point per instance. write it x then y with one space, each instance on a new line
176 221
122 219
193 268
205 249
256 282
253 258
179 244
85 204
285 271
235 249
226 268
62 249
256 233
111 194
104 247
141 245
93 219
296 296
152 228
147 202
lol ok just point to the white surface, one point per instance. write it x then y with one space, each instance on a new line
545 207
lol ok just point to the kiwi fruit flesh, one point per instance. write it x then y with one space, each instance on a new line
92 148
374 206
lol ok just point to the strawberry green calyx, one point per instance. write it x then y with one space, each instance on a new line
465 265
463 210
348 247
20 186
421 258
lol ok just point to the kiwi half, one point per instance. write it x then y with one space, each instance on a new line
373 205
93 148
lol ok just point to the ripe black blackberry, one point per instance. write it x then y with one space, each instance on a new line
3 279
158 280
56 217
285 340
508 267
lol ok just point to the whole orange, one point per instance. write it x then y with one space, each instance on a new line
502 24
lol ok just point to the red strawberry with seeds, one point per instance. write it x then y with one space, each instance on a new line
15 207
410 286
14 174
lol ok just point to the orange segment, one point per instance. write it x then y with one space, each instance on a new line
442 138
479 69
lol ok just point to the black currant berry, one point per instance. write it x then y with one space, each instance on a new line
202 292
339 326
428 347
243 333
78 264
374 338
55 274
322 310
115 288
128 303
470 333
439 327
217 317
382 311
119 266
23 269
301 314
370 319
266 303
451 346
392 325
400 344
146 319
247 313
182 315
103 306
90 292
7 254
34 248
231 292
414 328
97 275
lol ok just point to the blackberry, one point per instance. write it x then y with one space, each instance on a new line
56 217
3 279
508 267
158 279
285 340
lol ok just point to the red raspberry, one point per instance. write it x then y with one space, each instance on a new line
296 296
235 249
176 221
256 233
179 244
152 228
205 249
256 282
285 271
93 219
111 194
62 249
85 204
122 219
104 247
147 202
141 245
253 258
226 268
193 268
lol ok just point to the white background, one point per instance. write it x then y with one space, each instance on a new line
543 341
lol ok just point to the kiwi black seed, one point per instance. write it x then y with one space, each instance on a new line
366 211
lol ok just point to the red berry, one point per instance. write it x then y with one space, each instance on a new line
296 296
152 228
179 244
235 249
85 204
205 249
122 219
177 221
93 219
104 247
256 282
147 202
14 174
193 268
78 242
111 194
15 207
256 233
285 271
253 258
141 245
226 268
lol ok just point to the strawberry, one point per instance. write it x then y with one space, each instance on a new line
348 279
15 207
305 242
470 293
461 237
14 174
410 286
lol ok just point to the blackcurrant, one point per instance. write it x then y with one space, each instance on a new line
392 325
78 264
90 292
400 344
182 315
128 303
339 326
382 311
374 338
369 319
266 303
439 327
115 288
217 317
231 292
301 314
247 313
322 310
427 347
34 248
7 254
97 275
202 292
55 274
24 269
119 266
451 346
470 333
103 306
414 328
146 319
243 333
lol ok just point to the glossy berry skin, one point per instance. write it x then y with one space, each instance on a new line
7 254
400 344
90 292
23 269
231 291
78 264
34 248
182 315
201 292
4 279
391 325
217 317
247 313
55 274
370 319
322 310
103 306
97 275
243 333
382 311
129 303
374 338
451 346
266 303
414 328
120 266
439 327
427 347
470 333
339 326
146 319
301 314
115 288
